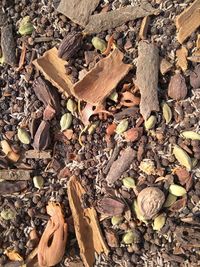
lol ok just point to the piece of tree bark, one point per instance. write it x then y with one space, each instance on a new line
105 21
181 55
165 66
188 21
147 77
120 165
87 229
98 83
78 11
10 188
15 175
144 27
35 154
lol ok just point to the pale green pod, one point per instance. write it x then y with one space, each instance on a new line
71 106
182 157
38 181
23 136
26 27
128 182
167 113
159 222
171 199
190 135
66 121
122 126
7 214
150 122
115 220
99 44
128 238
114 96
177 190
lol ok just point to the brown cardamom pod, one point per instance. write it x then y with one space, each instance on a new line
177 88
42 136
70 45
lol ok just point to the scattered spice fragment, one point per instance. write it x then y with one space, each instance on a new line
98 83
10 188
165 66
70 45
177 190
7 214
120 165
182 157
23 136
38 181
13 255
8 45
110 206
181 55
85 221
133 134
99 44
22 57
150 200
188 21
144 27
35 154
112 238
179 204
112 19
177 88
195 77
15 175
53 69
65 121
25 26
167 113
171 199
147 166
117 219
147 77
159 222
6 148
42 136
122 126
150 122
129 100
191 135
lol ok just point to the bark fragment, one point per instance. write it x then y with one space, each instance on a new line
35 154
147 77
10 188
165 66
120 165
144 27
42 136
15 175
181 55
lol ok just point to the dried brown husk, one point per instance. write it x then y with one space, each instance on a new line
42 136
111 207
183 175
179 204
7 187
129 100
133 134
88 232
177 88
52 244
13 255
49 113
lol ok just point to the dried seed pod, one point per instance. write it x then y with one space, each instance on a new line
128 238
99 44
138 213
128 182
38 181
182 157
71 106
25 26
150 122
195 77
167 113
42 136
65 121
177 87
177 190
150 200
159 222
190 135
171 199
7 214
122 126
117 219
70 45
23 136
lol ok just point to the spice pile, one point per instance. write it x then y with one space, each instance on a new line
99 133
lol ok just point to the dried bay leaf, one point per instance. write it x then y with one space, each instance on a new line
98 83
10 188
86 224
42 136
147 77
177 88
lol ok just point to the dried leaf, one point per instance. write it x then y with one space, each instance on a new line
165 66
133 134
52 244
13 255
98 83
109 206
188 21
53 68
179 204
129 100
112 19
10 188
85 221
120 165
42 136
181 55
144 27
147 78
177 88
195 77
78 11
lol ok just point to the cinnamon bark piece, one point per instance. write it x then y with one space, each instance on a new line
15 175
147 77
87 229
188 21
181 55
98 83
35 154
120 165
78 11
53 69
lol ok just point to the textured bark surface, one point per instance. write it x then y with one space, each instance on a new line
15 175
10 188
147 78
42 136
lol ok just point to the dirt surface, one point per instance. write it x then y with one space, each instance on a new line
110 133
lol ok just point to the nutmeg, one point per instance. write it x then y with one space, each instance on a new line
150 200
177 88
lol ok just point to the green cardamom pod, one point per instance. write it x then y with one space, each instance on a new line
190 135
99 44
128 238
116 220
122 126
159 222
171 199
1 60
92 127
66 121
23 136
7 214
177 190
150 122
26 27
138 213
38 181
71 106
167 113
128 182
114 96
182 157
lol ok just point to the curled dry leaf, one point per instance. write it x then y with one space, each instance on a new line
133 134
177 88
98 83
129 100
52 244
150 201
6 148
110 206
88 232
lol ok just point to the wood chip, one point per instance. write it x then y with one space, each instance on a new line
35 154
98 83
147 77
105 21
88 232
42 136
188 21
181 55
78 11
15 175
120 165
144 27
22 57
165 66
10 188
53 68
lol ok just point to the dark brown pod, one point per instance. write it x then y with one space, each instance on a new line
177 88
70 45
195 77
42 136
